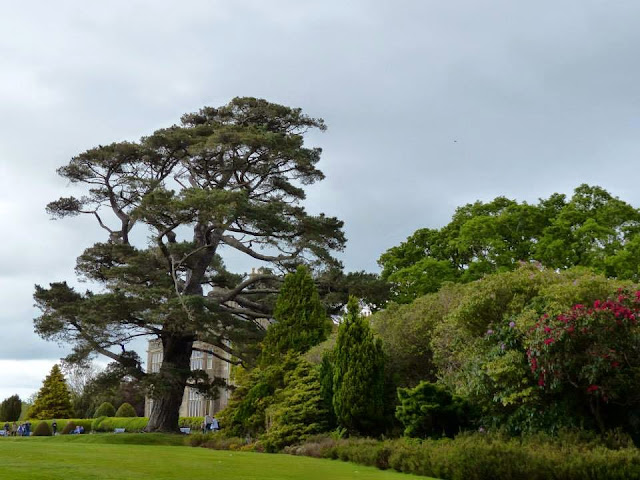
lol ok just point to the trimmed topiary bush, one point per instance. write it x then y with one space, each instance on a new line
68 428
126 410
105 410
95 425
42 430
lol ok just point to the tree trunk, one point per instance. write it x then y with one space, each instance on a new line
169 389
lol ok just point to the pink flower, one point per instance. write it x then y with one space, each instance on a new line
548 341
592 388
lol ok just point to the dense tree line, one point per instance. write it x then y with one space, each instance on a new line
591 229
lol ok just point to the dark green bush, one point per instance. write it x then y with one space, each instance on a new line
105 410
126 410
42 430
62 423
429 410
69 427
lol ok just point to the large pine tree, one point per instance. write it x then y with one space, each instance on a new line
358 375
223 180
53 400
300 319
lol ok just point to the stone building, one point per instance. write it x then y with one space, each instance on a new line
193 403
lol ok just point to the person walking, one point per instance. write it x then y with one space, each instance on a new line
54 427
14 429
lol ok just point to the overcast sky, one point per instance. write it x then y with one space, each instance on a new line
429 104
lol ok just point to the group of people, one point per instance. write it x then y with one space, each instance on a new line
210 424
17 430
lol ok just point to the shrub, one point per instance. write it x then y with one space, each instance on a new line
126 410
62 423
194 423
217 441
105 410
428 410
69 427
572 456
130 424
95 424
42 430
298 410
10 409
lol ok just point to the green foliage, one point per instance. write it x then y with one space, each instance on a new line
42 429
62 423
69 427
473 339
335 288
358 375
407 332
298 410
428 410
326 388
591 354
479 348
10 409
105 410
490 457
254 393
300 319
592 229
53 399
125 410
227 179
130 424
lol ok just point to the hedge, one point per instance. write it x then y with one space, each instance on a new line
137 424
85 422
484 457
109 424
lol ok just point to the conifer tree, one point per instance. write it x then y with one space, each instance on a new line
301 321
10 409
358 375
53 400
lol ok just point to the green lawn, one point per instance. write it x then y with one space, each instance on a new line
120 457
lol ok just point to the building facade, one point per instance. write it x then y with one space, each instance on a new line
193 403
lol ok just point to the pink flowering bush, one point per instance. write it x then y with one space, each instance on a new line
591 352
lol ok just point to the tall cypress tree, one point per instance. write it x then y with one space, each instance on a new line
358 375
53 400
301 321
10 409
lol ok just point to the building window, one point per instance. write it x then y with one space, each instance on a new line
156 361
196 360
195 403
209 361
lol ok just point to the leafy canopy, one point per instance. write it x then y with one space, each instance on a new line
592 229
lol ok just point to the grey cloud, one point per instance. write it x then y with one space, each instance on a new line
430 105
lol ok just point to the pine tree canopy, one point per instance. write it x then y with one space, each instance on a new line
53 399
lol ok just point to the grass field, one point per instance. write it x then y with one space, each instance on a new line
161 457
